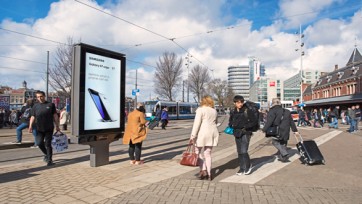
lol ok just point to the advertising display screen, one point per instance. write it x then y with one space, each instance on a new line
98 93
102 100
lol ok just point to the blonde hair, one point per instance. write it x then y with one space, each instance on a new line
207 101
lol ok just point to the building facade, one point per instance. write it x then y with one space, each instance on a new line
341 86
239 80
242 77
265 89
292 85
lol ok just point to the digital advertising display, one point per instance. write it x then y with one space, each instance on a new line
101 102
98 92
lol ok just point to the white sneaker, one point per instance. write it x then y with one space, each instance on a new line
239 173
249 170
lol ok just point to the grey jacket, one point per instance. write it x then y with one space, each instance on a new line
352 114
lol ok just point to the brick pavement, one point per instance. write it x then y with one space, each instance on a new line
160 180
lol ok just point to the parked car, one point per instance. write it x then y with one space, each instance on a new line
295 115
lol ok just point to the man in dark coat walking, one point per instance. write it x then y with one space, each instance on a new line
275 118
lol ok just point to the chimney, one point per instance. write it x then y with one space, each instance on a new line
335 67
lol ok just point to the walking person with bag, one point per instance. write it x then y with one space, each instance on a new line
135 133
164 118
205 135
43 117
358 116
24 123
278 116
242 120
64 118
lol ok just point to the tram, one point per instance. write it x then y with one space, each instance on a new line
176 110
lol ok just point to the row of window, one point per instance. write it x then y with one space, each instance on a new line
350 89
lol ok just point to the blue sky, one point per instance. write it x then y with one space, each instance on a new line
263 29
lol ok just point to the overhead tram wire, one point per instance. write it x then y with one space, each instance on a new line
141 63
25 60
148 30
243 24
166 39
53 41
12 68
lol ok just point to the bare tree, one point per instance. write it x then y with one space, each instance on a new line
60 74
229 98
198 79
218 90
168 75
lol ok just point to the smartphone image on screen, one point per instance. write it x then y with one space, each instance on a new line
100 105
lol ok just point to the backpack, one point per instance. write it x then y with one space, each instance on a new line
254 107
26 114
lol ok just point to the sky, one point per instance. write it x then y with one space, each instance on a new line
217 33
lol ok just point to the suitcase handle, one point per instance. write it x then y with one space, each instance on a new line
300 136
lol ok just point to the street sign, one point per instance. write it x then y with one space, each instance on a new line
135 92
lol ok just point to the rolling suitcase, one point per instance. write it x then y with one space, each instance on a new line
309 152
152 124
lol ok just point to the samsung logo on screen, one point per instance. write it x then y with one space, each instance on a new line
96 59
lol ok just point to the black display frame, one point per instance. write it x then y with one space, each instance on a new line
84 48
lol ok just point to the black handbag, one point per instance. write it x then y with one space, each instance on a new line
273 131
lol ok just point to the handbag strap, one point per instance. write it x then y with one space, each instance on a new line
281 119
190 148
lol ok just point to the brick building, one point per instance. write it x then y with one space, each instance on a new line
341 86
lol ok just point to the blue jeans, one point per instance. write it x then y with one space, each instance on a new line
334 123
357 122
19 132
352 126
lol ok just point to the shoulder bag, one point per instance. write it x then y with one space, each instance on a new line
273 131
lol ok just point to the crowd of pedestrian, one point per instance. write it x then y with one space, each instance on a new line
317 118
41 118
9 118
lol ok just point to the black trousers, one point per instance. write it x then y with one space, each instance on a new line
164 123
44 141
134 151
242 146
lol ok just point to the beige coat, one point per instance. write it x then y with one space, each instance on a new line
204 128
63 117
135 129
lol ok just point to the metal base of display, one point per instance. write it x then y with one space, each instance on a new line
99 153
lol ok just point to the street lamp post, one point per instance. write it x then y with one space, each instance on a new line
300 49
188 61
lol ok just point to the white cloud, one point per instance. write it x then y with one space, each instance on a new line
301 11
327 41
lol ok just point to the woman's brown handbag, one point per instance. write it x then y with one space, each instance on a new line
189 157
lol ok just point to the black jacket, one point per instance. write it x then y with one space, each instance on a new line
274 117
242 121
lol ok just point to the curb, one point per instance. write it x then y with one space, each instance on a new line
28 144
14 146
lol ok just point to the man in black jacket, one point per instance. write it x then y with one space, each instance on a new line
242 120
279 116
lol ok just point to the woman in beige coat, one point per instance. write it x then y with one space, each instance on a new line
135 133
205 135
